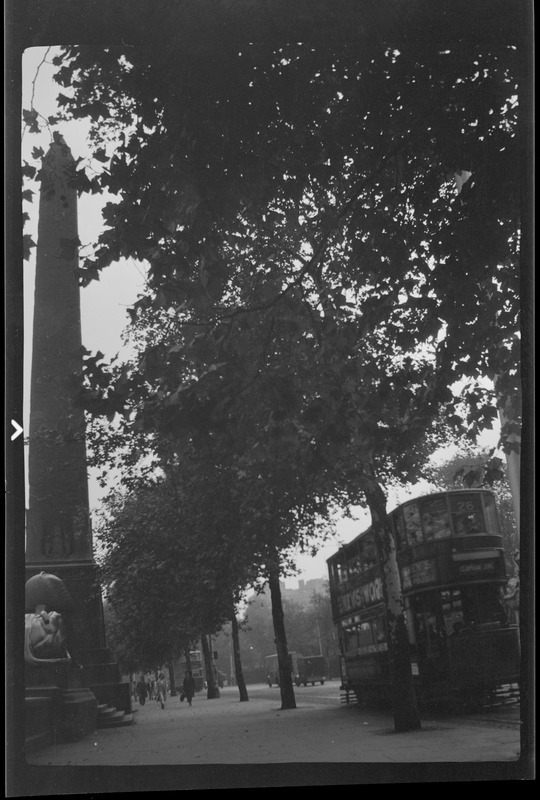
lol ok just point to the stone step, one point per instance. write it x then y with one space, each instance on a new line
113 694
119 720
107 712
37 740
111 717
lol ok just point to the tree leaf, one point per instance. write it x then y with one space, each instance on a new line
28 243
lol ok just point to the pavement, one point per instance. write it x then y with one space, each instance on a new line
321 741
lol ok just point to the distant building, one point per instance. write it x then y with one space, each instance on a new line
305 591
302 595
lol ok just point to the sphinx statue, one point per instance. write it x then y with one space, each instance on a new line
45 639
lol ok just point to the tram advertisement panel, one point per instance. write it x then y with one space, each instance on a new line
473 566
418 573
360 597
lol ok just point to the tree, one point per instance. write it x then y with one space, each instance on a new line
265 194
161 591
120 643
212 691
381 207
133 574
235 635
257 632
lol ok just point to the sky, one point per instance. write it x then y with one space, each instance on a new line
104 303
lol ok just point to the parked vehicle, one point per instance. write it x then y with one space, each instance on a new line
311 669
272 667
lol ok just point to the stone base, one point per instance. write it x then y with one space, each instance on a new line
65 676
76 715
54 714
40 706
104 672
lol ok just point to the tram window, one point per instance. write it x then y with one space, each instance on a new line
354 567
435 519
467 514
452 611
427 616
379 631
364 634
467 524
492 520
481 604
368 554
350 640
413 526
427 625
341 572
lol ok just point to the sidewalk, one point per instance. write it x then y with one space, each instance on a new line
225 731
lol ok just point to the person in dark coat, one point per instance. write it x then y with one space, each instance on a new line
188 686
142 691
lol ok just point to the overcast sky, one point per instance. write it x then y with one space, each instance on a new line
105 302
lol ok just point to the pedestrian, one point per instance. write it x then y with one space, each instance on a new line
188 686
142 690
161 689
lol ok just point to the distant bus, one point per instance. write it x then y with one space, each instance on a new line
198 671
271 666
311 669
196 665
463 639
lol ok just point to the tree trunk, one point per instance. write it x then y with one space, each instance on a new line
285 676
212 691
405 707
237 660
172 684
513 457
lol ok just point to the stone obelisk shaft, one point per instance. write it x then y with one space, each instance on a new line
58 517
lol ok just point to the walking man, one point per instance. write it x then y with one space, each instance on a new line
142 690
188 686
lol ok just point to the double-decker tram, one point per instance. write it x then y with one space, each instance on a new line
464 641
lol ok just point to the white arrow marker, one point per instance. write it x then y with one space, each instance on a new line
18 430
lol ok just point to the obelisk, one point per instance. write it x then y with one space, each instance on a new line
58 534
